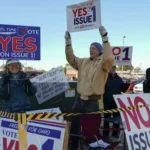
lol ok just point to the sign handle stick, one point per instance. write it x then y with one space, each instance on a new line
22 124
66 136
101 12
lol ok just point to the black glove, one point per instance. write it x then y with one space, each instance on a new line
6 79
28 83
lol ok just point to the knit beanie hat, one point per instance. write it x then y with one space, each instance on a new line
98 46
114 67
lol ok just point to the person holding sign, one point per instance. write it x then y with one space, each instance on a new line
92 75
15 87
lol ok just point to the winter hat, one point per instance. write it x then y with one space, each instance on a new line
13 62
114 67
98 46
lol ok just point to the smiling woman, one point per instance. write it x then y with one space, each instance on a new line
14 68
15 87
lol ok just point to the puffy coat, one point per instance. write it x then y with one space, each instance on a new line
15 94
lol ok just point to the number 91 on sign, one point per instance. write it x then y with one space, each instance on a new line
122 53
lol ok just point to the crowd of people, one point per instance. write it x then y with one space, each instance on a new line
97 77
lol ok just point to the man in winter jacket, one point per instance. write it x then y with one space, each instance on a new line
146 83
92 76
114 85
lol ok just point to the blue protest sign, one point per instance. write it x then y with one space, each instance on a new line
43 134
19 42
48 145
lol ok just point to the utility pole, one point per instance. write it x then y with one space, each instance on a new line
123 46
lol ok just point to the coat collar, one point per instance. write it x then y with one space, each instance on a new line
97 58
116 75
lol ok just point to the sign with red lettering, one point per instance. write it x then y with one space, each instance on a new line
84 16
136 122
19 42
123 55
44 134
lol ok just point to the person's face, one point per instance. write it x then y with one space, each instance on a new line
113 71
14 68
93 52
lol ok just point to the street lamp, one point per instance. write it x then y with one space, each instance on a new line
123 39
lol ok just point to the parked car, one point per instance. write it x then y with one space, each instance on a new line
138 88
133 83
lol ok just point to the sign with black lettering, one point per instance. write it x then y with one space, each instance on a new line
123 55
136 122
50 84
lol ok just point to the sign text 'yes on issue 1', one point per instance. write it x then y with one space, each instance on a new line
19 42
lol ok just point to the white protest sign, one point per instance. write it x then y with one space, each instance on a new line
84 16
70 93
50 84
136 122
41 135
123 55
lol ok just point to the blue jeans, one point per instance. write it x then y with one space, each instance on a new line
85 106
81 106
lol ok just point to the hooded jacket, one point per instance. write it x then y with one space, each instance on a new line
146 83
15 94
92 74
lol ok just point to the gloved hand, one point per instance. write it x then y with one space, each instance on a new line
103 34
67 38
28 82
6 79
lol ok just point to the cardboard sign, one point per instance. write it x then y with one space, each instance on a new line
70 93
136 122
50 84
19 42
84 16
41 135
123 55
